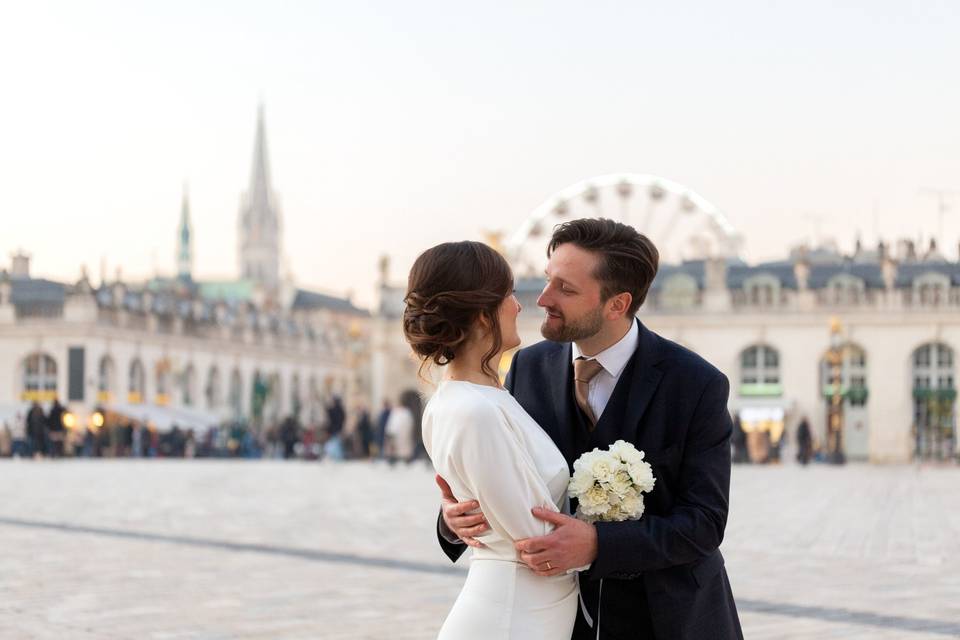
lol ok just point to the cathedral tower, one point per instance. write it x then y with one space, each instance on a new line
184 242
259 221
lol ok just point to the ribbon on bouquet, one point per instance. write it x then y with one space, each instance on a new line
583 608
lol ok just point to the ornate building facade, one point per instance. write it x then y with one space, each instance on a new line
180 351
892 315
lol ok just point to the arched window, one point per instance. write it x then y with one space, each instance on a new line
235 398
760 371
136 383
105 379
313 399
162 372
212 391
296 401
934 402
39 374
189 386
274 397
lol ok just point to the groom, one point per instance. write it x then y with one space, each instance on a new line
602 376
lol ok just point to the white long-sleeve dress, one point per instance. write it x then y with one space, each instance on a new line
489 449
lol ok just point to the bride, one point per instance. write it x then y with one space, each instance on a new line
461 314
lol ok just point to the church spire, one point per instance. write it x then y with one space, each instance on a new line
259 220
184 241
260 187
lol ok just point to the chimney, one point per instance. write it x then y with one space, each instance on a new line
801 271
20 269
716 297
888 268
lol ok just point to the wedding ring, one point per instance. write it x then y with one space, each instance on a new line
549 568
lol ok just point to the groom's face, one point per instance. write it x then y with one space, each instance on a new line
571 296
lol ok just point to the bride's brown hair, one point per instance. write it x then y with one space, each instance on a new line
451 286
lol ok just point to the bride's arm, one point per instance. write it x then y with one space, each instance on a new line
491 462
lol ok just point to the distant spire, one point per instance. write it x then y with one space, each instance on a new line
260 187
259 220
184 245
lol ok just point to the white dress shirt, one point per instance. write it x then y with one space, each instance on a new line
613 359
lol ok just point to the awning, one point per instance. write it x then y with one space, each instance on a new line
761 414
164 418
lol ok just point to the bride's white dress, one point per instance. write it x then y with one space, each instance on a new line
489 449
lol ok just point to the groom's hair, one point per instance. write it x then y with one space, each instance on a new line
628 259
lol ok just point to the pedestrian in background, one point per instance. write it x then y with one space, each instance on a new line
37 430
739 441
804 442
382 430
364 432
336 416
400 433
55 429
20 447
290 436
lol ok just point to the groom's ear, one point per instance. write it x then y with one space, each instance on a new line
618 305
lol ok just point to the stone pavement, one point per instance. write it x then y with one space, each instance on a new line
267 549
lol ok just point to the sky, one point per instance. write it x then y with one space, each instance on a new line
393 126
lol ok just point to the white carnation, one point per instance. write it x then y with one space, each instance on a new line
586 460
603 467
594 502
580 483
626 452
642 475
632 507
621 482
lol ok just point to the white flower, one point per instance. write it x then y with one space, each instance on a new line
621 482
603 467
632 506
584 461
580 483
642 475
626 452
594 502
609 484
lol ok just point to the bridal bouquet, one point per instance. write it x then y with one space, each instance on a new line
609 485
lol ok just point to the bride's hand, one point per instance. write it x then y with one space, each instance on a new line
457 516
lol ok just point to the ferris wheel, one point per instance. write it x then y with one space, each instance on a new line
681 223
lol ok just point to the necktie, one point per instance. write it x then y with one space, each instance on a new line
583 373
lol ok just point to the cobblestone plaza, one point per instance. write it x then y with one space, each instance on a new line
215 550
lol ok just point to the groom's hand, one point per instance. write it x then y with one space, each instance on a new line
457 516
571 545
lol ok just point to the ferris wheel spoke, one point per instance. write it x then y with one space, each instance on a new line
703 227
647 227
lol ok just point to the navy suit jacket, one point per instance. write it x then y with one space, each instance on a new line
663 575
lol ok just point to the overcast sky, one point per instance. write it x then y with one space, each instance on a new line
396 125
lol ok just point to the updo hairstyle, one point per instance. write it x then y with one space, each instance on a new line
451 286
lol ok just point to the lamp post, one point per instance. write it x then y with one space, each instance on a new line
835 408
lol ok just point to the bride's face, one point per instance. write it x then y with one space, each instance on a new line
509 310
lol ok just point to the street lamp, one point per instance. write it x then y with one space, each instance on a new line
835 408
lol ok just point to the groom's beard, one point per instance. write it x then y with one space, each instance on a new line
573 330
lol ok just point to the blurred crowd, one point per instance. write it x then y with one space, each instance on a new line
392 434
766 446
